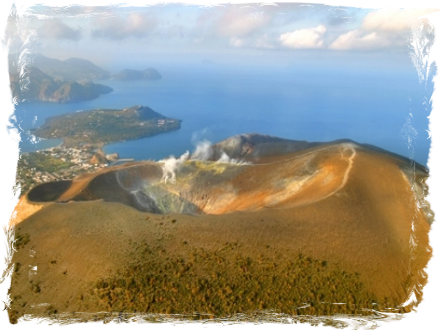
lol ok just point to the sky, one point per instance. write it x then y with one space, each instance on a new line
285 33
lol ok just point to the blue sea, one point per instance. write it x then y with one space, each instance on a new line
383 108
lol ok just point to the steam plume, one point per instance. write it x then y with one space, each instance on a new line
171 165
224 158
203 151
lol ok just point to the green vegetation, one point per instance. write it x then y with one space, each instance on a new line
44 162
105 126
21 241
211 284
21 172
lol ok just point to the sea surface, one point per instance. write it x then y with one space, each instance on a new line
382 108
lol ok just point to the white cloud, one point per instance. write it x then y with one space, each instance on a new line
233 26
56 29
94 6
393 20
304 38
240 22
19 39
103 19
63 7
277 5
358 39
264 41
75 8
78 23
11 13
120 27
232 21
381 29
236 42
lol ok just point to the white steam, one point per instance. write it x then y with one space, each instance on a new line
171 165
203 152
224 158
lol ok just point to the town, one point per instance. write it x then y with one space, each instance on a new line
59 163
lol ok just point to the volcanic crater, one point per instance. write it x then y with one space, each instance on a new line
213 186
331 221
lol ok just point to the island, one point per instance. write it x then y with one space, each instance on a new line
129 74
35 85
72 69
101 126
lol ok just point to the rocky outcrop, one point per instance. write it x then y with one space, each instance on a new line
253 146
128 74
36 85
98 159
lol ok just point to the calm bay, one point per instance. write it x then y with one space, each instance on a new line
215 102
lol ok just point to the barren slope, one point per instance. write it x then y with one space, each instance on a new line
332 223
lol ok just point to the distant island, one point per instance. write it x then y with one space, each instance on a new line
102 126
128 74
40 86
72 69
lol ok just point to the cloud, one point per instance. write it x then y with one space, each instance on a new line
75 8
95 6
272 6
63 7
236 42
338 20
114 22
234 26
56 29
240 22
252 27
393 20
358 39
260 41
381 29
130 25
11 13
304 38
265 41
19 39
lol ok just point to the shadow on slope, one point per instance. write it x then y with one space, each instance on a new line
49 192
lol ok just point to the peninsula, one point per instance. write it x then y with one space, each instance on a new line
103 126
42 87
72 69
